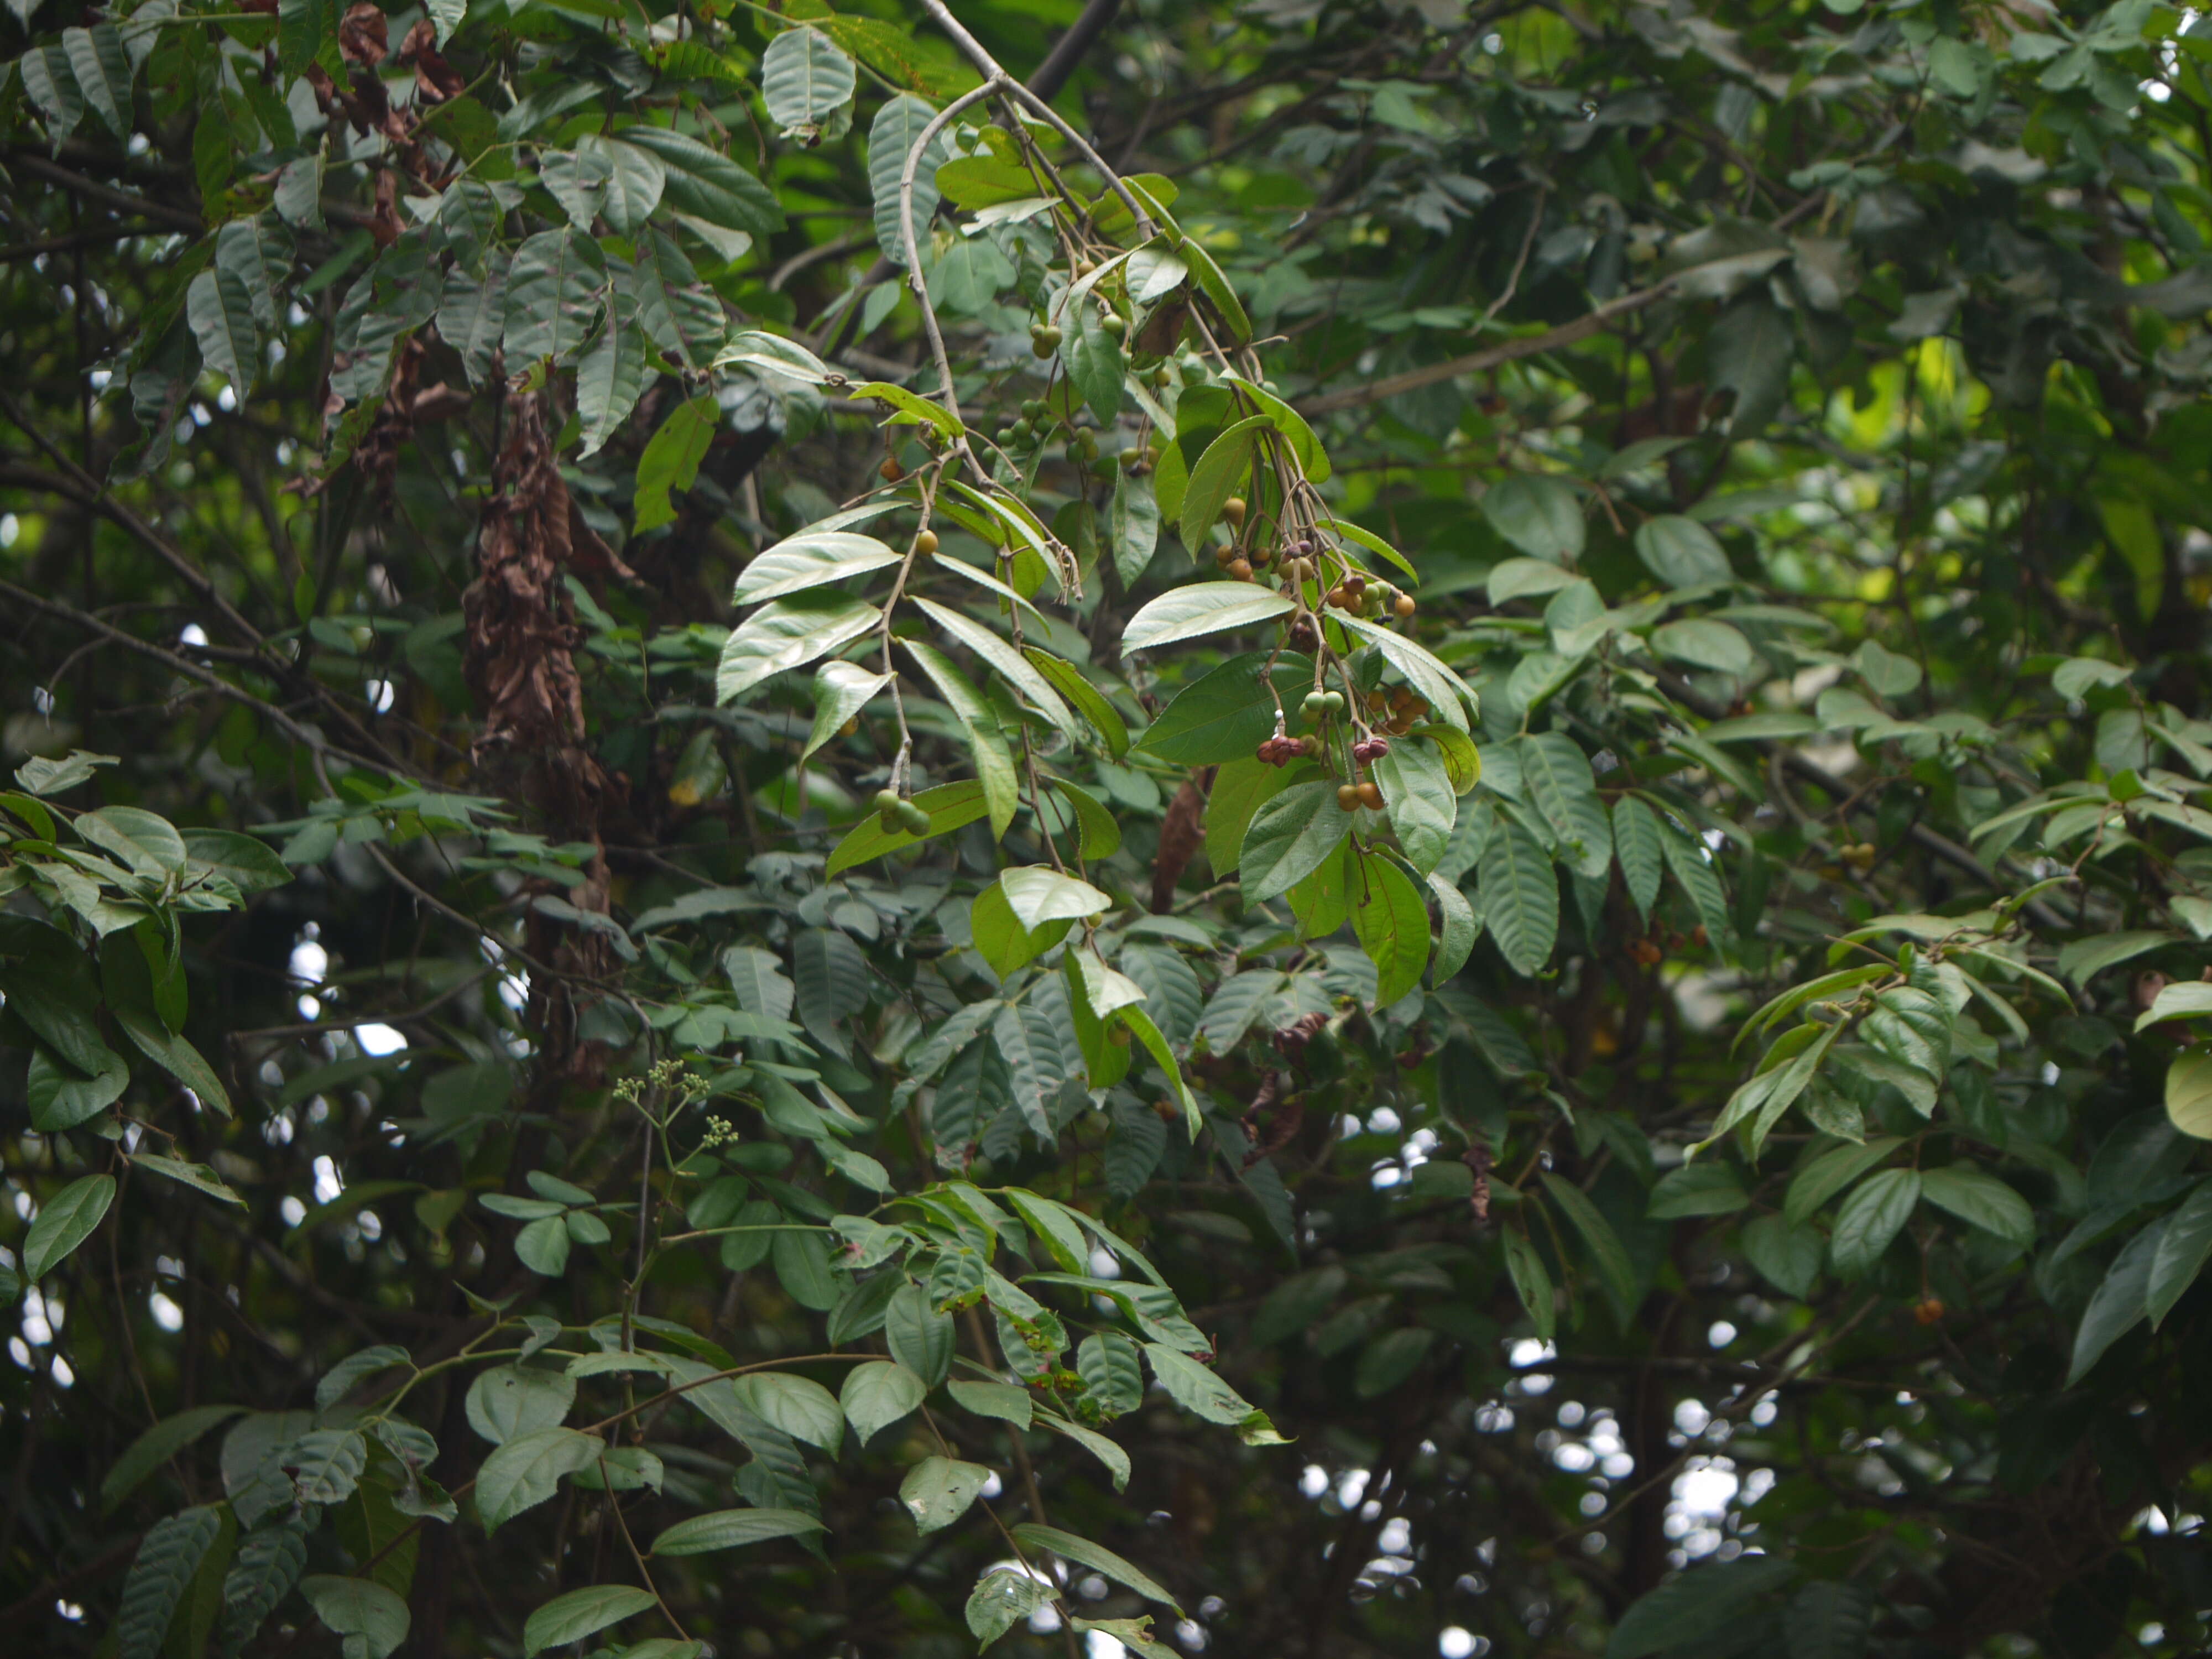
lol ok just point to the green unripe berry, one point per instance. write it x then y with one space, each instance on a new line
914 819
888 819
887 801
1114 325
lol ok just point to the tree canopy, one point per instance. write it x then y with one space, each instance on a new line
1325 827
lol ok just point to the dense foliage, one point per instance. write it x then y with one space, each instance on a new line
1375 828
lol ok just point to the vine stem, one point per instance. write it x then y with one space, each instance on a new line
997 79
938 122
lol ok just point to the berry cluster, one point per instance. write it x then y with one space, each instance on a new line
894 813
1281 750
1320 705
1357 596
1352 796
1373 749
1038 424
1401 712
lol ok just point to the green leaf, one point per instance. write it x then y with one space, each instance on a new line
1789 1256
2187 998
1829 1174
1132 527
1636 846
156 1447
1391 1359
1094 364
226 855
1457 932
64 1222
1030 1045
1700 1188
1695 867
1870 1218
1226 714
1321 901
1291 835
801 1407
542 1247
987 744
326 1464
1703 644
892 135
938 1490
1037 893
788 633
1829 1619
727 1529
2189 1094
581 1613
2119 1301
1981 1200
1392 921
102 68
950 806
1201 608
1001 940
1614 1269
1532 1283
1010 665
918 1337
677 312
53 85
841 690
636 180
804 1269
1222 472
1539 514
1215 286
526 1470
1090 702
878 1394
1520 896
1312 458
1111 1371
42 776
1420 800
1199 1389
1002 1401
1697 1605
805 81
1148 1033
59 1099
1558 777
268 1564
509 1401
577 179
552 297
472 315
1105 1450
1680 552
1443 690
1098 1557
1002 1598
2184 1247
220 312
1241 788
361 1608
707 185
610 379
670 462
168 1556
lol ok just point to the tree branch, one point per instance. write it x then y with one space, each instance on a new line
1533 345
106 195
